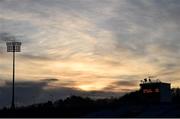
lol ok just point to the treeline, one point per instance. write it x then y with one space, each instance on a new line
76 106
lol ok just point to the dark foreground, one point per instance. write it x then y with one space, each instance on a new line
124 111
130 105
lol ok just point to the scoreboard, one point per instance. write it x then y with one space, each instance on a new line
156 91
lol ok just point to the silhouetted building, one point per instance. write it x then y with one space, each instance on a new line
155 91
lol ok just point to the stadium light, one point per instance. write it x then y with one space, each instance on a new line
13 46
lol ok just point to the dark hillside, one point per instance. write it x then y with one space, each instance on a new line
130 105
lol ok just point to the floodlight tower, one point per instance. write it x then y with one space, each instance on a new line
13 46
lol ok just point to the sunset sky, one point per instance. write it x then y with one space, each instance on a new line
85 46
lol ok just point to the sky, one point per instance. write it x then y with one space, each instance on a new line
96 48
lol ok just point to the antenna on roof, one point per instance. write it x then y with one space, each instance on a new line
145 80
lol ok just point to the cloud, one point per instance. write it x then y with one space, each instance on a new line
24 92
35 57
50 80
5 37
122 86
126 83
34 92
